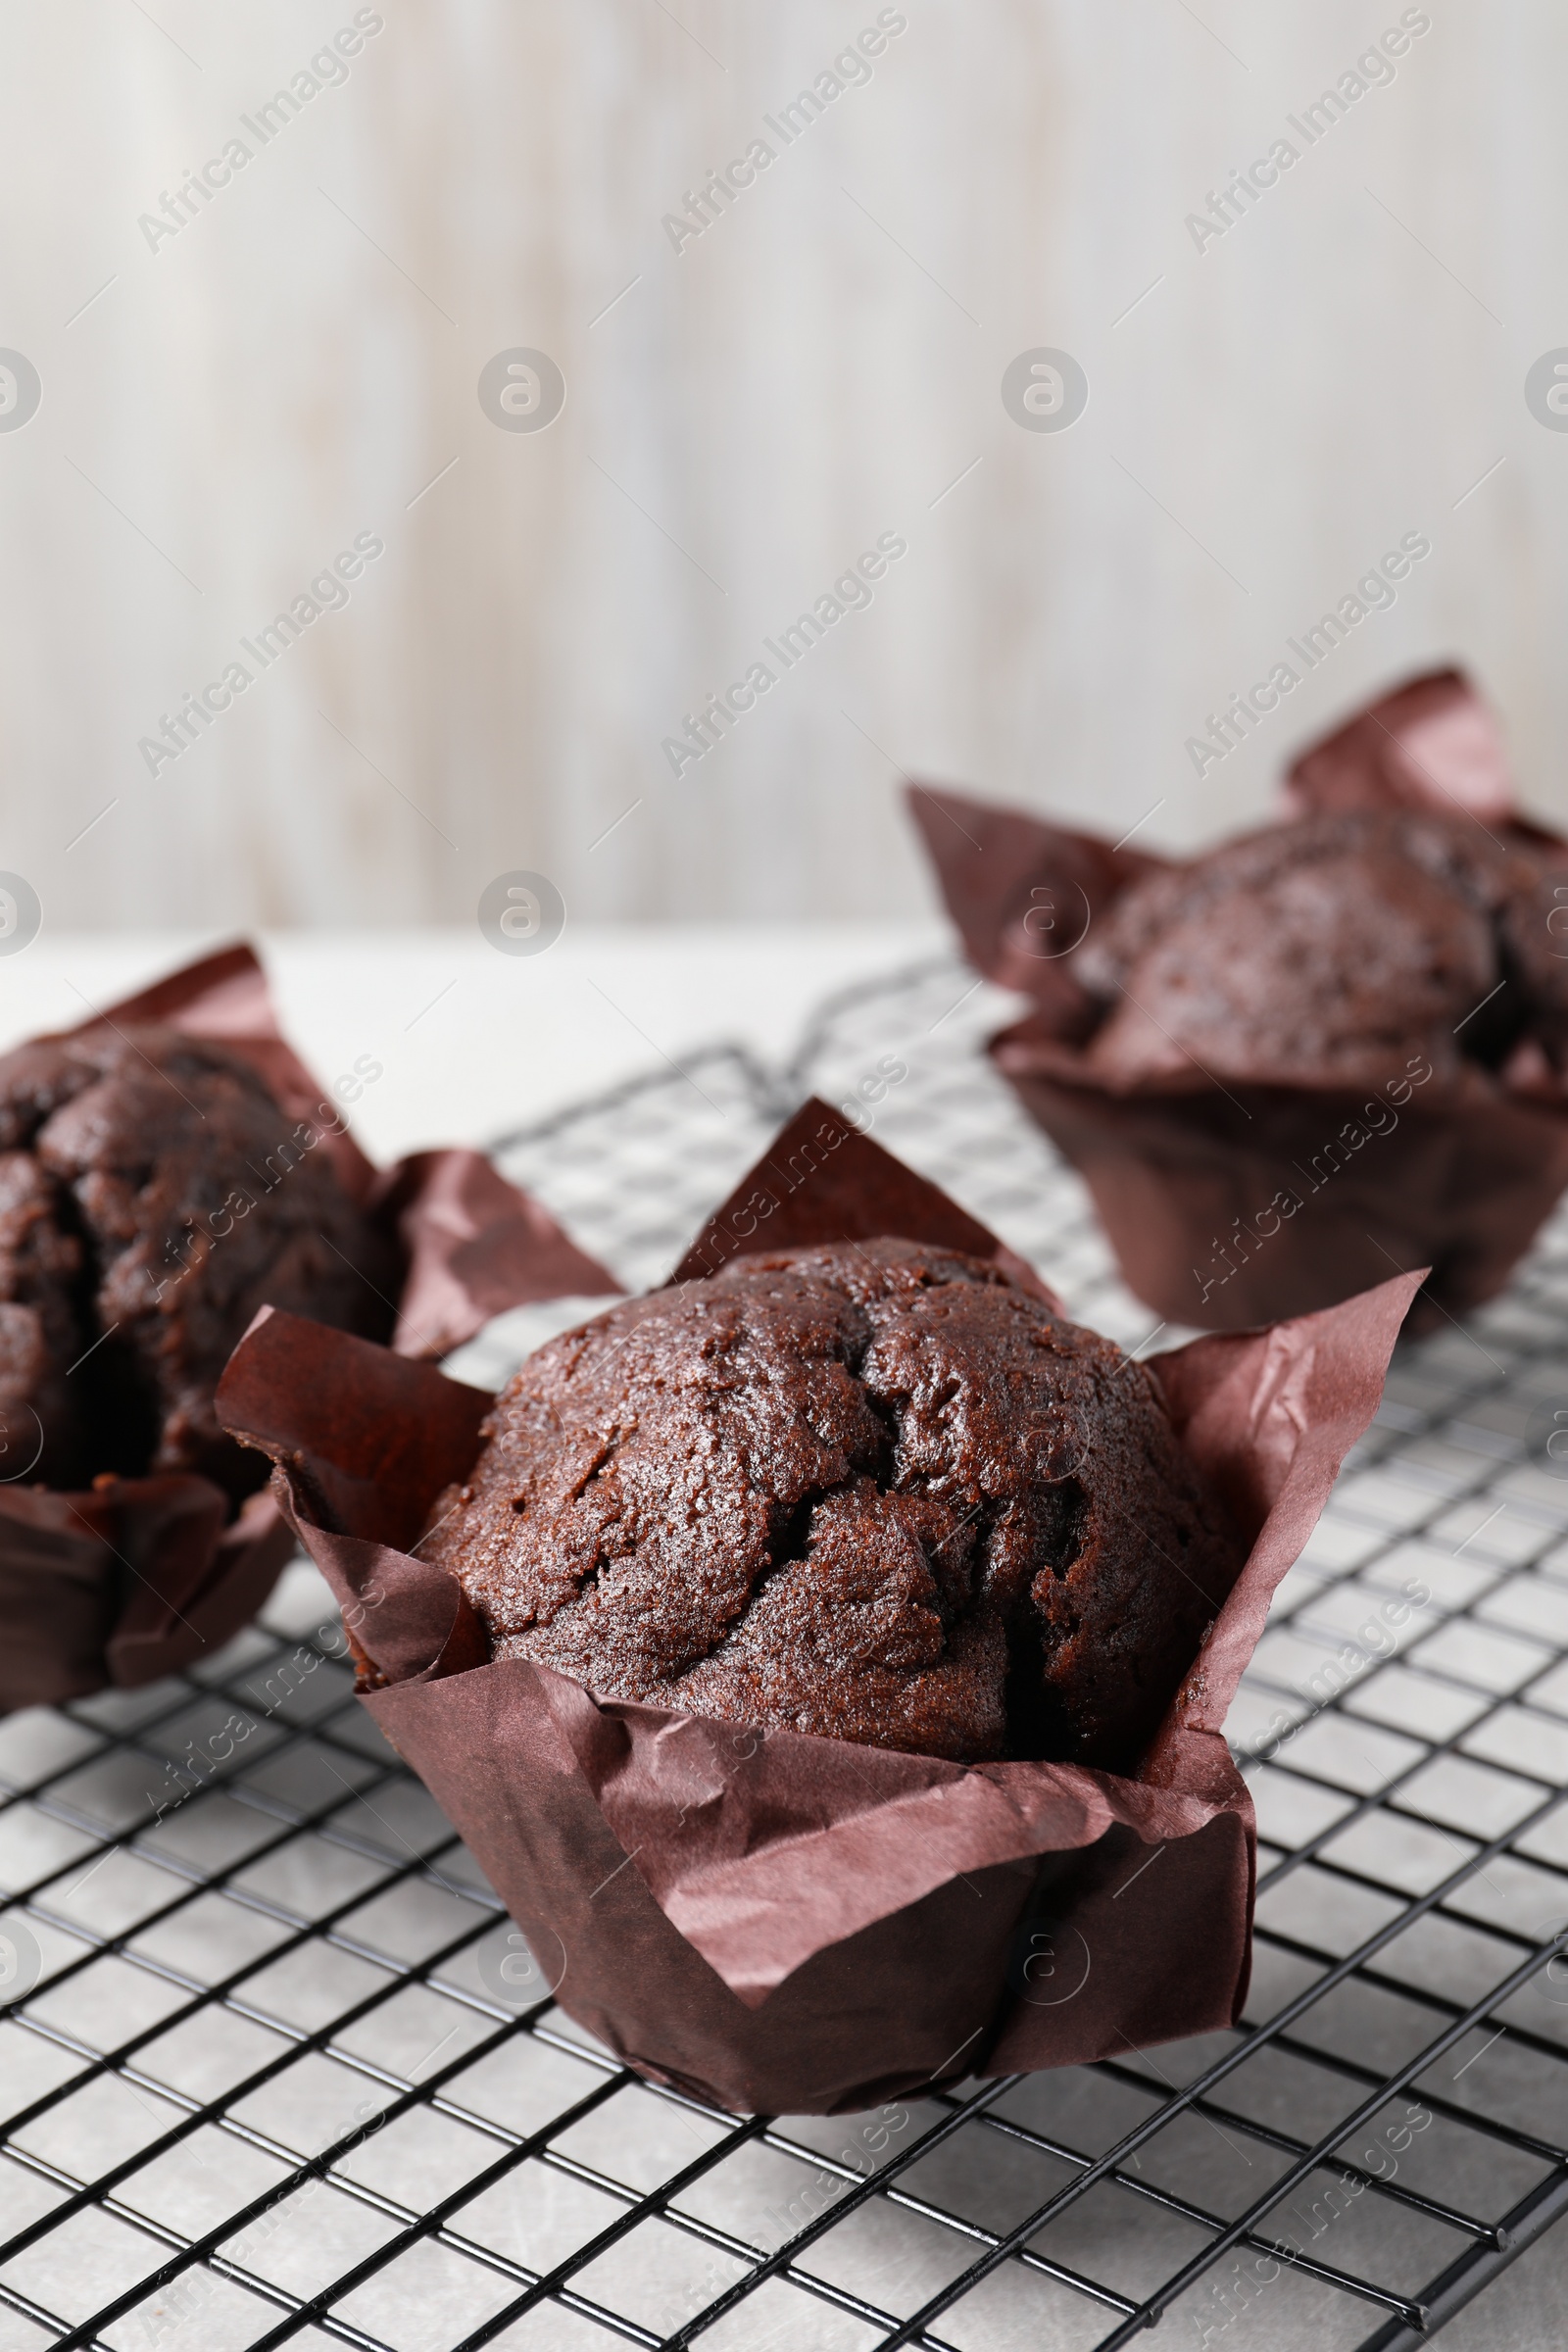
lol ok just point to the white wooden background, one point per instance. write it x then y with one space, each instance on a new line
302 359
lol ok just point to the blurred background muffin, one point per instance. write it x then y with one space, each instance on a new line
153 1195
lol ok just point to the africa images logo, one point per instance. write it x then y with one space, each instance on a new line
849 69
327 593
328 69
20 391
1230 726
1373 70
851 592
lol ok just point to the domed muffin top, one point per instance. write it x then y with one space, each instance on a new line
874 1491
1327 951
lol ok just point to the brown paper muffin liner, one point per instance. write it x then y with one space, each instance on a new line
121 1584
777 1922
1235 1204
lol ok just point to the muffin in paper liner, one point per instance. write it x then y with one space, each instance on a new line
119 1583
770 1919
1235 1204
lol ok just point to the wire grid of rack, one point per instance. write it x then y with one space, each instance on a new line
286 2074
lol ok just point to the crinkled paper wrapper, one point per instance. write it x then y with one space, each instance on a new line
781 1923
120 1586
1461 1184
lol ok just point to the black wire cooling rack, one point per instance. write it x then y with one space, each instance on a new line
275 2068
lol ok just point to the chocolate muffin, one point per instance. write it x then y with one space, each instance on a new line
1325 951
153 1195
876 1491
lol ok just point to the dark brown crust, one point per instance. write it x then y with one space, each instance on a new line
153 1195
41 1264
1323 951
874 1491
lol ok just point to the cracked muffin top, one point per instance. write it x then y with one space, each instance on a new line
875 1491
1326 949
153 1195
